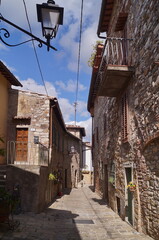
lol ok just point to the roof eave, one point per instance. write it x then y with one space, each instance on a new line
9 76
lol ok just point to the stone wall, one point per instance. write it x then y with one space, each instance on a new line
87 177
141 151
32 182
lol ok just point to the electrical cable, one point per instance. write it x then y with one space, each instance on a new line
37 59
78 64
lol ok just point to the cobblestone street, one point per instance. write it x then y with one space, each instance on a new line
80 215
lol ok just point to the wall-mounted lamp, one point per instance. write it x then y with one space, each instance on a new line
72 151
50 16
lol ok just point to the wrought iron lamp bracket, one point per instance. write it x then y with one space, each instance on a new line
4 33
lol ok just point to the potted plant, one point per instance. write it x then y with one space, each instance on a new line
52 177
131 186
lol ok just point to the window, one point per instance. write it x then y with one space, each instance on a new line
124 117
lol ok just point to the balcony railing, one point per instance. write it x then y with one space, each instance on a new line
117 51
115 70
27 153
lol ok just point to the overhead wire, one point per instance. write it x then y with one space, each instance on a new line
79 57
36 55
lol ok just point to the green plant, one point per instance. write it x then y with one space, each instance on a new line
5 196
111 180
93 54
52 177
131 186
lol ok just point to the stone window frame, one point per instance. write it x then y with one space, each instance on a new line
124 117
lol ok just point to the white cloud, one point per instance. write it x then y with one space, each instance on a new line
88 127
67 109
33 86
3 47
82 109
87 124
70 86
10 68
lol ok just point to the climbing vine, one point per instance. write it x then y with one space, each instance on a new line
93 54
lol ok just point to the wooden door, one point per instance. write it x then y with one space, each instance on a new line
22 144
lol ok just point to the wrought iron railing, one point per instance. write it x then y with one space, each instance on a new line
27 153
117 51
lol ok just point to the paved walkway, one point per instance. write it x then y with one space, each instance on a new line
80 215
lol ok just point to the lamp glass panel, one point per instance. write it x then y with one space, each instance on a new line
50 18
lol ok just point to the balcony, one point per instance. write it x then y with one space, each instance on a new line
115 70
29 153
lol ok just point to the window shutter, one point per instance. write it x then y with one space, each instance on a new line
124 118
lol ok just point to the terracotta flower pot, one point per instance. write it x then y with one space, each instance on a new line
132 189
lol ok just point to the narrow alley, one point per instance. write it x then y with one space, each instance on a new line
78 215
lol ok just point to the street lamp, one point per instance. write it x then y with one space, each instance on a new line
51 16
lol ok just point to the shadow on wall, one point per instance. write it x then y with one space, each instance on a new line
32 189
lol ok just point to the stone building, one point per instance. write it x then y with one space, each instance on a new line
87 169
76 131
124 105
39 148
79 133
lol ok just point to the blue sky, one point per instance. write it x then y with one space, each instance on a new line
59 68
